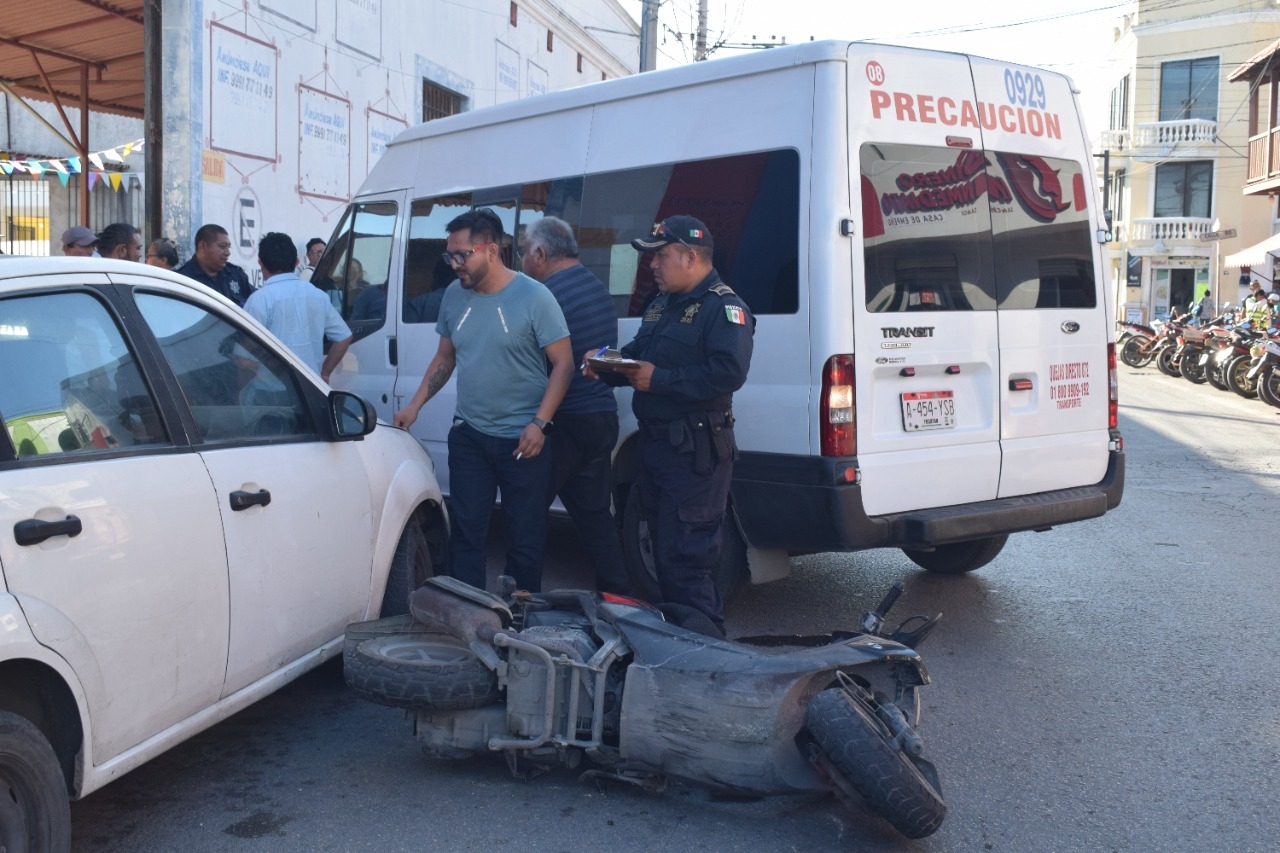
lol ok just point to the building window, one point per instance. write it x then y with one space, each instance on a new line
550 39
438 102
1189 89
515 13
1184 189
1119 185
603 77
1120 105
579 63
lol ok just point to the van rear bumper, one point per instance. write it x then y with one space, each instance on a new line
799 504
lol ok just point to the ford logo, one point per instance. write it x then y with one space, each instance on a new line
1070 327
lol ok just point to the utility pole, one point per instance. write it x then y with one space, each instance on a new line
649 35
700 48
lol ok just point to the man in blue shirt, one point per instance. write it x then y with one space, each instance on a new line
211 265
587 422
499 329
296 312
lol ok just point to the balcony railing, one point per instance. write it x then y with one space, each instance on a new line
1264 156
1194 132
1170 228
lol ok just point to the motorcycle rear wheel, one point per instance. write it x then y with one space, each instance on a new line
864 751
1237 375
1269 387
1190 367
420 671
1137 351
1213 373
1167 361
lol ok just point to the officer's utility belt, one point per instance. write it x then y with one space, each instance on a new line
699 433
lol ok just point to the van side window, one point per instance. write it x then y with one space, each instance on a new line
426 272
354 269
948 230
751 203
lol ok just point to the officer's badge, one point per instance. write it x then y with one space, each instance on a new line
735 314
654 312
690 313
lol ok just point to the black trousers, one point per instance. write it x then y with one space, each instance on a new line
582 477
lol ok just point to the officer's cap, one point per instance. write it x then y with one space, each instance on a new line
675 229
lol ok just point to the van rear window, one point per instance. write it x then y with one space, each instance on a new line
964 230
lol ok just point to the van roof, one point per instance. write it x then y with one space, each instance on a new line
647 83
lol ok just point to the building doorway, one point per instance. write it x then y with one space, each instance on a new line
1182 289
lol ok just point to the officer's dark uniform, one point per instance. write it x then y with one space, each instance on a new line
700 345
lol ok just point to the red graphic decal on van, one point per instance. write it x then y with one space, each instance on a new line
959 185
875 73
1035 184
930 109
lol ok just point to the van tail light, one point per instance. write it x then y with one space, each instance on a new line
1113 389
837 416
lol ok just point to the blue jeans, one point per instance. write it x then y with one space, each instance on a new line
480 466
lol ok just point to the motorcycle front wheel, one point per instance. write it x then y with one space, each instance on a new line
1213 373
901 789
1167 361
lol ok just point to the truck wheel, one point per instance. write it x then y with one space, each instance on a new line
730 575
866 755
35 812
957 557
410 567
420 671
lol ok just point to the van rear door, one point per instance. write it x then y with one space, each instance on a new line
1053 323
927 364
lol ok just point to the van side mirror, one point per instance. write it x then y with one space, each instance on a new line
351 415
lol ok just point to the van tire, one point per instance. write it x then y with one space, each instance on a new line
957 558
730 575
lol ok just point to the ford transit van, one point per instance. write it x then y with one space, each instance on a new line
917 234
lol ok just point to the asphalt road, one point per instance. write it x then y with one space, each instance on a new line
1109 685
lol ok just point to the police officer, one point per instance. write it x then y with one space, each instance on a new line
693 350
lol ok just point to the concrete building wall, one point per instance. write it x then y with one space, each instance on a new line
1157 259
275 110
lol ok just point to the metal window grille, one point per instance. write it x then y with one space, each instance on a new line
438 102
34 213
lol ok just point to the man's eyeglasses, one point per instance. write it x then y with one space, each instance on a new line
460 258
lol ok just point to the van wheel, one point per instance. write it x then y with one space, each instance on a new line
35 813
730 576
410 568
957 557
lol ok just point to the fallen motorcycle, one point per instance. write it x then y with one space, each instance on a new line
551 678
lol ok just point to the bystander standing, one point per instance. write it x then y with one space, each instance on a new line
211 265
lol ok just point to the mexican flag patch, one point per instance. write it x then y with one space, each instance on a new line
735 314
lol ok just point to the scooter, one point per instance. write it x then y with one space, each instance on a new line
552 678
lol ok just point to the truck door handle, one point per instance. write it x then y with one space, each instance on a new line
1020 385
243 500
33 531
393 352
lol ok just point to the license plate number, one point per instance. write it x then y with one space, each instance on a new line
928 410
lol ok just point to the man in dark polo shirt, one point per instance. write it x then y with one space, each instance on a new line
586 425
211 265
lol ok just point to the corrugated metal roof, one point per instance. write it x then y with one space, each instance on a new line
51 40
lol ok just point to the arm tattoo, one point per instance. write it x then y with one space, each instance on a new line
437 380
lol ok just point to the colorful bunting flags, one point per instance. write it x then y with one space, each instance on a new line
65 166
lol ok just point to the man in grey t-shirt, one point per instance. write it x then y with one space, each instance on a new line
499 329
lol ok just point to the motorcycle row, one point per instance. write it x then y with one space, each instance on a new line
1229 355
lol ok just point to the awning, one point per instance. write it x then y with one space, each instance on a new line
1255 255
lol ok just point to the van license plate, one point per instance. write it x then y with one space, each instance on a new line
928 410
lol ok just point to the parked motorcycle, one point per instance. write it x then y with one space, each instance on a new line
550 678
1266 372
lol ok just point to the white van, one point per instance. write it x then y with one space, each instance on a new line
915 232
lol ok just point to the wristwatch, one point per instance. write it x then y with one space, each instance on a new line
542 425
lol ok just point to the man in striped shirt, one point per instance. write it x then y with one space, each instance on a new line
586 427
